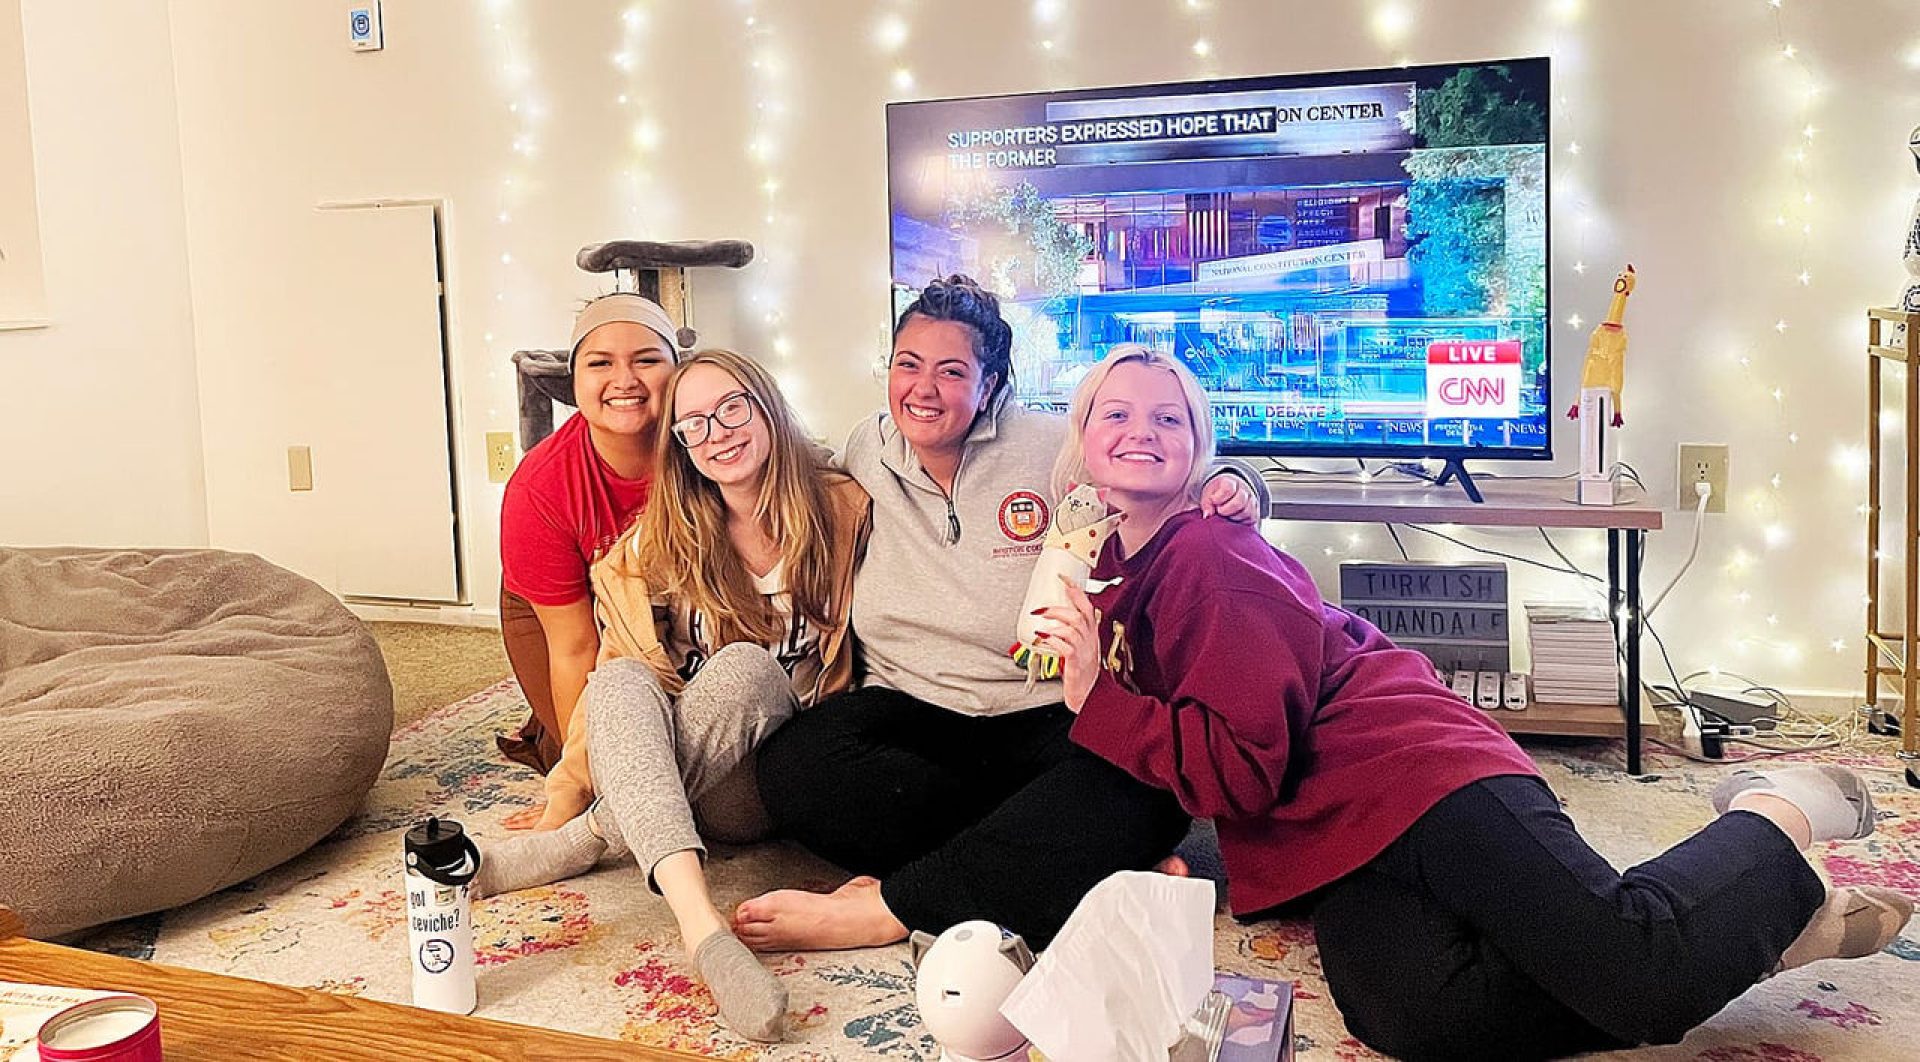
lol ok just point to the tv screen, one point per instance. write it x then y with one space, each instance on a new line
1353 263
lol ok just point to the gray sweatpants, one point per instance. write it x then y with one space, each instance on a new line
669 770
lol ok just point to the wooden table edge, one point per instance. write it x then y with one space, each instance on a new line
194 1026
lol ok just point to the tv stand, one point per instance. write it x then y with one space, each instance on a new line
1456 468
1517 503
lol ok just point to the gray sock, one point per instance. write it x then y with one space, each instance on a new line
752 1001
542 858
1834 800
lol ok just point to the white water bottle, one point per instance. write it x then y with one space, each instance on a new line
441 863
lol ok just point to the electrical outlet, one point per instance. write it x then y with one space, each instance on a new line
1703 463
500 456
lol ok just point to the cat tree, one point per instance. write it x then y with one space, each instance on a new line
657 271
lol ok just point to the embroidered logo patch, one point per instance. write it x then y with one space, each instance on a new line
1023 516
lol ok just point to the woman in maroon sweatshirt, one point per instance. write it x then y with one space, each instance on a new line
1459 913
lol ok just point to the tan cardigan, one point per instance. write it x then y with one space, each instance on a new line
623 606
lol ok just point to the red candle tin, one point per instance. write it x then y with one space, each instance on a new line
120 1028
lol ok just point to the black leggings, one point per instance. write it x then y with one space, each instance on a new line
1490 930
962 817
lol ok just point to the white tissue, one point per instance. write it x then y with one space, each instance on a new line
1134 959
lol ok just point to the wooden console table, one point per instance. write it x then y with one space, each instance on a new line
1516 502
207 1016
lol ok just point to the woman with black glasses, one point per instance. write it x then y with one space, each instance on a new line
722 611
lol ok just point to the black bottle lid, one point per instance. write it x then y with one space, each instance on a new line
438 847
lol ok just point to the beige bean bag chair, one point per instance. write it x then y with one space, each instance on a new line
171 723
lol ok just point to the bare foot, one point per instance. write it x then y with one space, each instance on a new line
1174 867
851 916
526 818
564 808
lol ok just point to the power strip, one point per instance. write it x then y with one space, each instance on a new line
1706 735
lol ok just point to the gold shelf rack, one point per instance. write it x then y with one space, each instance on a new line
1893 339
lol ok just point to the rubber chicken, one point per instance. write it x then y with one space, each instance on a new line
1606 364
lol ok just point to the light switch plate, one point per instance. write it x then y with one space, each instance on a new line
299 468
364 32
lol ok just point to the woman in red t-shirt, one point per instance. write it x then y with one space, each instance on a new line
1458 911
723 612
570 497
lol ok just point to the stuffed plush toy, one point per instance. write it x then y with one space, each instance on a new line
1080 528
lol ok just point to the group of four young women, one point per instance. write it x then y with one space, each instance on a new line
744 636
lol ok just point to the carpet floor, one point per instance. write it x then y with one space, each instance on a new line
598 955
433 665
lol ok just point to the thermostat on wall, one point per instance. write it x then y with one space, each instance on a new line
363 27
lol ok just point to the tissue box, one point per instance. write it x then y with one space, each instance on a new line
1244 1019
1260 1021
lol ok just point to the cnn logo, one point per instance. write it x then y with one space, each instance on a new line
1472 391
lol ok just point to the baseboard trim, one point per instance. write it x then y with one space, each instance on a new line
444 615
1834 704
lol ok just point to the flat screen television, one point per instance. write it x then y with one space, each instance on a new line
1354 263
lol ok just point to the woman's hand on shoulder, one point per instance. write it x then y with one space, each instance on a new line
1075 639
1229 497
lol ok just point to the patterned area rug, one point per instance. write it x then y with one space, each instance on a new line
598 955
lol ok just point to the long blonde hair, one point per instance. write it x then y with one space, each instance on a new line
1071 467
682 535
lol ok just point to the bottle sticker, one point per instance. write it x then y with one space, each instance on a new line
436 955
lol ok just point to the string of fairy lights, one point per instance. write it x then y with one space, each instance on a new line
1200 13
643 199
1761 530
1794 227
1794 223
1571 190
1052 36
1577 212
769 86
1760 526
892 29
506 34
1756 536
1392 23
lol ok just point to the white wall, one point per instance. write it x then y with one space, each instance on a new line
1686 116
99 419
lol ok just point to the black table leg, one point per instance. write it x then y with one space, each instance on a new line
1636 541
1613 582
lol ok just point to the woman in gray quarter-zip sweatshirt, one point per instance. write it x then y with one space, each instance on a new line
945 784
